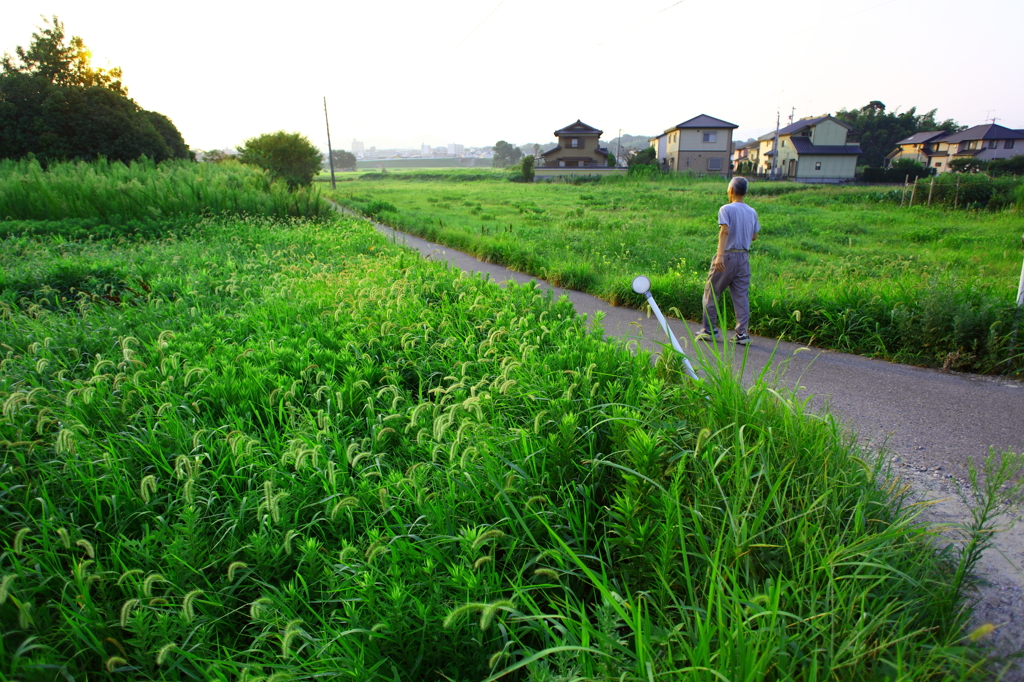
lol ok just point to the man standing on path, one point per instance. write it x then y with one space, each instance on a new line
737 228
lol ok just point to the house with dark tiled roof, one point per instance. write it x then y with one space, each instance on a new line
814 149
578 147
937 149
920 147
702 144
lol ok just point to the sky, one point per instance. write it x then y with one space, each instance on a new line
474 72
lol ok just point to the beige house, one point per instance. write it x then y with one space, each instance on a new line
938 148
814 149
702 144
578 147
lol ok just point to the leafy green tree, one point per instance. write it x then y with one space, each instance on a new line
343 159
60 62
506 154
56 122
878 131
288 156
54 105
644 157
611 160
527 164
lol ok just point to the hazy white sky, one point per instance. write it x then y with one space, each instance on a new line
476 72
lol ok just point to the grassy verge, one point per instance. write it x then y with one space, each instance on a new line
842 268
301 452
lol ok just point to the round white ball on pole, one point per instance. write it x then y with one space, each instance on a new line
641 285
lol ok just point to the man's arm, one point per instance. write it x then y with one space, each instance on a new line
718 262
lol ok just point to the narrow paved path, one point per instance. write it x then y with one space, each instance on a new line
927 416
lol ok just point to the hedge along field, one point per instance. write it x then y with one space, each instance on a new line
841 268
293 450
103 193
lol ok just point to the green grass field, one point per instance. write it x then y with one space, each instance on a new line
842 268
288 449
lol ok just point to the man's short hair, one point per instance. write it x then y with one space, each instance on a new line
738 185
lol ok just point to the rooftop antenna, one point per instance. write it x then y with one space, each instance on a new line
792 113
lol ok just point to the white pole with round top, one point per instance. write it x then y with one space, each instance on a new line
642 286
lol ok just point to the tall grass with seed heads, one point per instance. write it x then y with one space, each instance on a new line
301 452
105 193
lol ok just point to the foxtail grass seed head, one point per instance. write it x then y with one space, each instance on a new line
5 587
130 572
151 580
164 651
187 609
288 541
19 540
25 619
485 537
258 606
147 487
126 610
87 546
981 632
234 567
65 539
115 662
496 658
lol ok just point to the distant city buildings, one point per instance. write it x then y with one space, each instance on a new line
357 148
424 150
456 149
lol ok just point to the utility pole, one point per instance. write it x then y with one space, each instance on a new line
775 154
618 149
792 113
330 152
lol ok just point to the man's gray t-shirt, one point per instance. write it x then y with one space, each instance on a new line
743 225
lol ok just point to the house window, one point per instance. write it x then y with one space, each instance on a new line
992 144
581 163
783 143
575 142
938 164
1008 145
710 137
715 164
562 164
817 165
